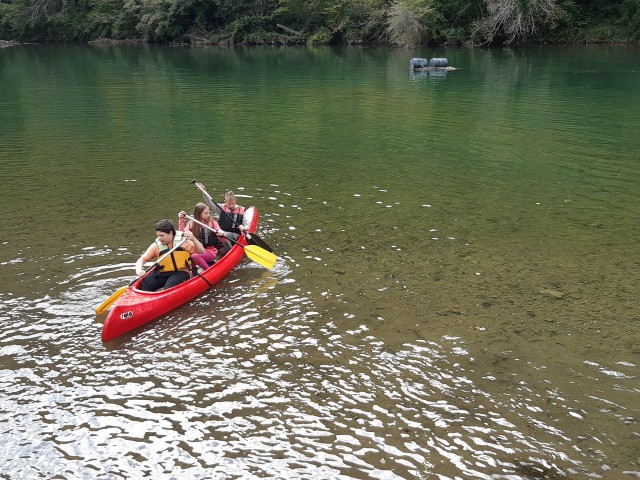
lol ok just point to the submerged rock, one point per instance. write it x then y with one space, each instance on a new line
555 294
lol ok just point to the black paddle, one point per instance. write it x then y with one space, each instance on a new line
254 252
252 238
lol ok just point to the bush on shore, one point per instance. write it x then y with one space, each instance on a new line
403 23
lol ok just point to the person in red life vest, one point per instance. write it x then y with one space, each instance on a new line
235 222
207 238
174 268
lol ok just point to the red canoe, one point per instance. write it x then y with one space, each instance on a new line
136 307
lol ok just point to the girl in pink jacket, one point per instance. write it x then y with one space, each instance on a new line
209 240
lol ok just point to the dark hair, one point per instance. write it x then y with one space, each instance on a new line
165 226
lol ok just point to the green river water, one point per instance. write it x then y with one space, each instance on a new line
458 274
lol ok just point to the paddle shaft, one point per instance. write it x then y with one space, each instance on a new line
208 227
253 238
254 252
118 293
157 262
216 204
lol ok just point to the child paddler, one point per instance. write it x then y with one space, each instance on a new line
174 268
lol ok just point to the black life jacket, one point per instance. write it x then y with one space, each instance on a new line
209 239
225 222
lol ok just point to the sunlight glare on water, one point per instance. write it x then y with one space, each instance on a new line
455 290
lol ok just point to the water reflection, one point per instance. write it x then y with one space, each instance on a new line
289 374
420 75
454 293
260 381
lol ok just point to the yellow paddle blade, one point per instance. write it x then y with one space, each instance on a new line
260 255
111 300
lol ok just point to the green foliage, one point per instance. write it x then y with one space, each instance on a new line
250 29
352 21
305 15
347 21
99 18
44 20
321 37
630 17
400 22
266 38
8 12
451 20
156 18
603 34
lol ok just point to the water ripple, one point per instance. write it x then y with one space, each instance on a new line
454 293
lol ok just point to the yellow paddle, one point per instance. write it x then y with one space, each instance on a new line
254 252
118 293
111 300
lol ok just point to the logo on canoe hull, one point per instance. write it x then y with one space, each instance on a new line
126 315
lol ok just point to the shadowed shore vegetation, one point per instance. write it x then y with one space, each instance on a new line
404 23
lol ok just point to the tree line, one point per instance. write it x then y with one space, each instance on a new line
404 23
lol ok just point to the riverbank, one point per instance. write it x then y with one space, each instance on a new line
201 42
